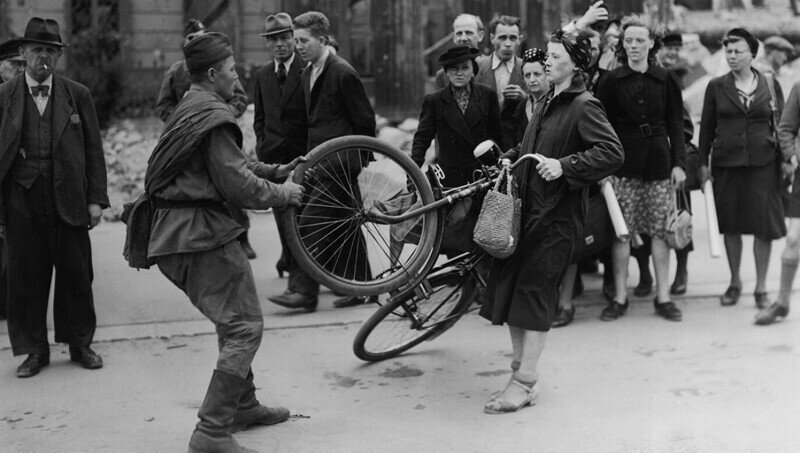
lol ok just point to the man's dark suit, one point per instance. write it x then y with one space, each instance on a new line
485 76
281 127
337 105
46 219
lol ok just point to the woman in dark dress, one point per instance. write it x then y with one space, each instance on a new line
736 136
569 130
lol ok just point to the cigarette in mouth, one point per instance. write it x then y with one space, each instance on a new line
46 68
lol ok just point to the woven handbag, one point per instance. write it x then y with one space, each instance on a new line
497 230
679 224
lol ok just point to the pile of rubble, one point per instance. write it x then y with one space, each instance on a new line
128 144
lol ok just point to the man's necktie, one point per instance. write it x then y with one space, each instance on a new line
40 90
281 75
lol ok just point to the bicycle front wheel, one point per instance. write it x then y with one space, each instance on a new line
410 319
334 234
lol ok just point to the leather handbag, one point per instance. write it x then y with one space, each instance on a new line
598 234
679 223
497 229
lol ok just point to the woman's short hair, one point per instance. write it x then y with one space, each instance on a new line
740 34
636 20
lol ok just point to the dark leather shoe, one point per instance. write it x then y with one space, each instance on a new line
771 314
352 301
762 301
614 311
86 357
731 296
291 299
679 285
563 317
32 365
644 288
668 310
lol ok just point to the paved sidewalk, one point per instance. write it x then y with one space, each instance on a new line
713 382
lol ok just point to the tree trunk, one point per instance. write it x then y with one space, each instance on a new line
399 69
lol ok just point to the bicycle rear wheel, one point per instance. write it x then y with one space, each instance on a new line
333 235
409 320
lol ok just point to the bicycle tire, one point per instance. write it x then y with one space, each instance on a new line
331 234
389 331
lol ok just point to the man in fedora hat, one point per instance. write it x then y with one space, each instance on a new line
11 62
280 120
53 180
337 105
196 166
175 84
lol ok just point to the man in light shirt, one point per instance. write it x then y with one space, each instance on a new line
337 105
502 71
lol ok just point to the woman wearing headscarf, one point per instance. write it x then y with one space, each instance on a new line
736 135
536 81
578 146
644 103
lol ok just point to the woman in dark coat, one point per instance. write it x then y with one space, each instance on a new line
645 105
569 130
537 84
461 115
735 132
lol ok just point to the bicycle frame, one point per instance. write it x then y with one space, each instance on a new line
448 197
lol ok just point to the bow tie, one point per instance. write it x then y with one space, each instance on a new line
40 90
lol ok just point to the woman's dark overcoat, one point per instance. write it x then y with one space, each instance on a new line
571 127
458 133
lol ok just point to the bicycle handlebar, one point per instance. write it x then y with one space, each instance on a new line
448 197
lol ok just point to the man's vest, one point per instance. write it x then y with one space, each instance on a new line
35 156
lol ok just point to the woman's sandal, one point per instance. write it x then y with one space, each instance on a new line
499 406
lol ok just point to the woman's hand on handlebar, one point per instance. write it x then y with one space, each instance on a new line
549 169
504 163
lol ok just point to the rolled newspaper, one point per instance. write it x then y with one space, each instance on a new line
614 211
714 242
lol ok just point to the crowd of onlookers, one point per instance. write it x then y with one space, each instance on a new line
638 75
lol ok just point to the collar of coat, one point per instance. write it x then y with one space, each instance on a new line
577 87
653 70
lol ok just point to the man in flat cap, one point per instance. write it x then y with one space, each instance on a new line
12 63
280 121
53 180
337 105
196 166
175 84
777 52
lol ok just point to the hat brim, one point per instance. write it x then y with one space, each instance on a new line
276 32
23 41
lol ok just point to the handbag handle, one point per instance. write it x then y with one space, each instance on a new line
684 200
505 173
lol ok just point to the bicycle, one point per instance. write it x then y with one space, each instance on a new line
363 197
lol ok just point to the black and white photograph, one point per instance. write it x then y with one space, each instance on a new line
399 226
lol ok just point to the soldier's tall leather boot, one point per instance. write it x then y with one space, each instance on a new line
251 412
213 433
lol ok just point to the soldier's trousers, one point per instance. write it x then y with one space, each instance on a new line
219 282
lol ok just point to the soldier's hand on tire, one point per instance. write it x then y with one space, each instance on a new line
295 192
283 171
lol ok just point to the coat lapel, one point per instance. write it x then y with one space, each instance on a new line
292 81
762 94
452 113
320 80
729 88
12 124
62 108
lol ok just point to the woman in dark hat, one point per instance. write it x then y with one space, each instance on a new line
460 116
736 138
578 147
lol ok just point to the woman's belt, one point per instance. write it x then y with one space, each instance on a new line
647 130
